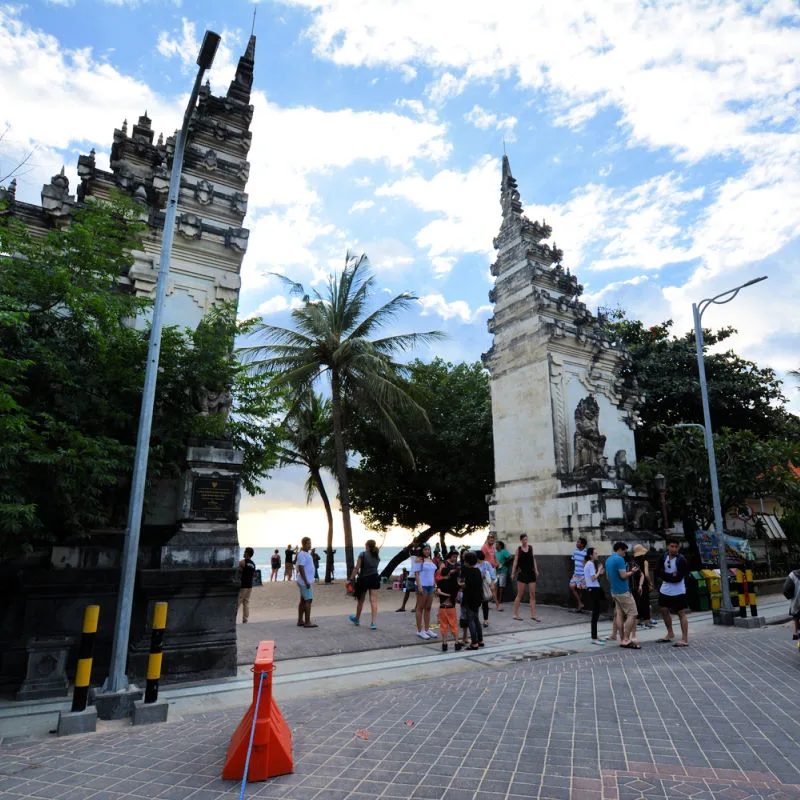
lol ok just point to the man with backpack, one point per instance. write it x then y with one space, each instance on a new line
791 591
672 568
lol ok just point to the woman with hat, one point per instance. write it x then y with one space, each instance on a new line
642 586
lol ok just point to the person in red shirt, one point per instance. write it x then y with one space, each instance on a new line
489 550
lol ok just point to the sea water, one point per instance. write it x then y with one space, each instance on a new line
263 554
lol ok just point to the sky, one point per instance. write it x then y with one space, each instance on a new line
659 139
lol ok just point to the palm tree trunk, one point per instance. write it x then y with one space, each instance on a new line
420 539
341 468
329 514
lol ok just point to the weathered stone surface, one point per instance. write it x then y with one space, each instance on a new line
71 722
149 713
46 674
563 423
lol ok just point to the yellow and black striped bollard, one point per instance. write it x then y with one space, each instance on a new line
156 651
83 672
740 588
750 587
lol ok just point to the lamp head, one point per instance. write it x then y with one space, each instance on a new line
660 482
755 280
208 50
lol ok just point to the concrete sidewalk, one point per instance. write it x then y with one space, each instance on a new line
715 720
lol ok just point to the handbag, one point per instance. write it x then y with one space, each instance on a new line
487 588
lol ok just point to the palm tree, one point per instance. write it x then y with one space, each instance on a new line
307 442
332 340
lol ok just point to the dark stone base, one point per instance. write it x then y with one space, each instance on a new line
70 722
749 622
721 617
116 705
149 713
46 674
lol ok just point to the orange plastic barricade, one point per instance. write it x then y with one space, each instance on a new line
272 740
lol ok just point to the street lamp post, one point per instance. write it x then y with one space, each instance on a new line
117 680
725 616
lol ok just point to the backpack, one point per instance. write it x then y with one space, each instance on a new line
789 588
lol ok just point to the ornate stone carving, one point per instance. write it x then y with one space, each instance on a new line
622 469
239 202
56 200
214 402
204 192
589 443
237 238
190 226
210 159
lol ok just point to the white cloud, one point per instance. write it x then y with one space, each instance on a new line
483 120
273 306
455 309
408 72
445 87
361 205
684 75
443 265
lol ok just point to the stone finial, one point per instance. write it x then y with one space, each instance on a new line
11 192
243 80
509 195
160 142
125 127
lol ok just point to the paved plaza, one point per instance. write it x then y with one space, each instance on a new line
715 720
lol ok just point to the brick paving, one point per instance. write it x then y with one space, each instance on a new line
337 634
714 721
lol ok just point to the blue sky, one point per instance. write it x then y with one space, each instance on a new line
661 140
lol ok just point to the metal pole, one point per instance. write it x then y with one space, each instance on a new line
117 680
725 606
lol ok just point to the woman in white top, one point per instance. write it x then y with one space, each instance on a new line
424 570
597 597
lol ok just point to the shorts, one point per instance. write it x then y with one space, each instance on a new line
447 622
625 604
526 577
502 579
305 592
427 589
411 585
674 603
363 585
578 581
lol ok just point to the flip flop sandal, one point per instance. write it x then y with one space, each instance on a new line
518 618
664 641
631 646
681 644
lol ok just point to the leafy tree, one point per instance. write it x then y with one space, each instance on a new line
742 395
308 442
445 490
333 339
747 466
71 376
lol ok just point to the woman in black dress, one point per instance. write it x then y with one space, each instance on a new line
525 571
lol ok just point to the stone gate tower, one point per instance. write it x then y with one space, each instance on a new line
189 544
563 424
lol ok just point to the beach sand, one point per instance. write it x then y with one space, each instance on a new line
274 601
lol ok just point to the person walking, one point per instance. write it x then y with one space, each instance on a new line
275 565
305 580
447 591
504 562
472 597
576 582
489 551
488 576
672 570
624 604
407 586
791 591
288 563
366 579
525 571
424 571
594 591
247 570
642 586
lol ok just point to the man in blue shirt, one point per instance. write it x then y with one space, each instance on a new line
624 604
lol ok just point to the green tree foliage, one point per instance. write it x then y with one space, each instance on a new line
742 395
71 377
445 490
748 466
335 338
308 442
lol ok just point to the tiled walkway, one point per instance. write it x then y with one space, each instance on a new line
716 720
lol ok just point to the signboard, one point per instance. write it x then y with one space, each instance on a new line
213 496
736 549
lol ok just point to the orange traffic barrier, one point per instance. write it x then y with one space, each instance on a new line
271 740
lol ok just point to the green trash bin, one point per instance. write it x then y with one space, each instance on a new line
697 592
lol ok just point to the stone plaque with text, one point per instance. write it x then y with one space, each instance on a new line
213 497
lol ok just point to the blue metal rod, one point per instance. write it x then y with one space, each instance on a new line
252 736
